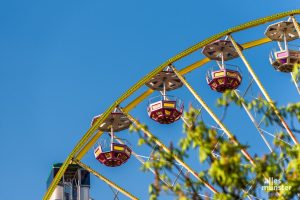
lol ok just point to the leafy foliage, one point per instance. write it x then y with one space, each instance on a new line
231 173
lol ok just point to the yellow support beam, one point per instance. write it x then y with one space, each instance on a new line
296 25
166 149
255 43
106 180
194 66
139 84
262 89
298 31
213 115
253 119
89 145
138 100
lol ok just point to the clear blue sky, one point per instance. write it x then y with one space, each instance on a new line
62 62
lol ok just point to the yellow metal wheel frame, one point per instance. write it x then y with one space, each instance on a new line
90 137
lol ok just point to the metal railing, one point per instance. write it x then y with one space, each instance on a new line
179 102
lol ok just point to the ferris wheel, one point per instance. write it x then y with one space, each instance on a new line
166 109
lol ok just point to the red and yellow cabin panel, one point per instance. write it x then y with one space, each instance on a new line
167 113
118 155
284 61
224 79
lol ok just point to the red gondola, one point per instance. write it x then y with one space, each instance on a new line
222 79
165 109
284 59
117 154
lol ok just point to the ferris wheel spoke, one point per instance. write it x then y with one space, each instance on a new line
115 193
152 152
216 146
248 88
295 83
142 161
274 136
148 158
254 122
215 118
177 176
166 149
265 93
296 25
